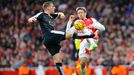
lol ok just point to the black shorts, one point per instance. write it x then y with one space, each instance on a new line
52 39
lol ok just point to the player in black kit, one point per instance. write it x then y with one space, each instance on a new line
51 37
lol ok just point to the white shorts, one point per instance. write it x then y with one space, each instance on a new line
85 45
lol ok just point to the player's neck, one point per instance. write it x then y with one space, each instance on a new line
82 18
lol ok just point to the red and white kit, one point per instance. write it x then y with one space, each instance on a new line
92 25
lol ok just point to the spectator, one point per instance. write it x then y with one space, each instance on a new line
24 70
118 69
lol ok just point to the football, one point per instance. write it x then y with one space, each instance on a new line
79 24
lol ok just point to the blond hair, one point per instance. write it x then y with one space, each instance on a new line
46 4
81 8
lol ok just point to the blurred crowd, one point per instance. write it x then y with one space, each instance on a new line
22 43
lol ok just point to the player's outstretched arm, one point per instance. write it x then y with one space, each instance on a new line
61 15
69 23
34 19
98 25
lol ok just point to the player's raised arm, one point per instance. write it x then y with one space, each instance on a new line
35 18
69 23
59 15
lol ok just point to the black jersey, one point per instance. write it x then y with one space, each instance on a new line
46 21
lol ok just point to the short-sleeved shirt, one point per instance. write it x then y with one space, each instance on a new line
46 21
51 38
88 22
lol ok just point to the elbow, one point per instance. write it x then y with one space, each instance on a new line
103 29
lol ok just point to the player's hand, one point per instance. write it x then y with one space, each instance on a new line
61 15
72 17
32 20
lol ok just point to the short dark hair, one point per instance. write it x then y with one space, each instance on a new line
81 8
46 4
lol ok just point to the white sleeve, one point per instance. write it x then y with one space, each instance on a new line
35 16
69 28
73 30
98 25
68 25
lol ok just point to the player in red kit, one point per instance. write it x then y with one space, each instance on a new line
89 44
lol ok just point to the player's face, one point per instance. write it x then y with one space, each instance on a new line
51 8
81 14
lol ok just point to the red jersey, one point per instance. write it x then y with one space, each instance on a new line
88 23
